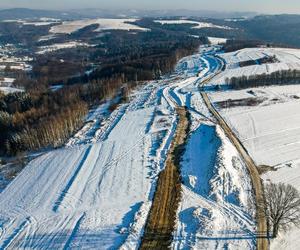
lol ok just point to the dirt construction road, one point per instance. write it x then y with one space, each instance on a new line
161 221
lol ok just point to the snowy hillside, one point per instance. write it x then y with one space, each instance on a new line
266 119
287 59
69 27
97 191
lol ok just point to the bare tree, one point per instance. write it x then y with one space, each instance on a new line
283 206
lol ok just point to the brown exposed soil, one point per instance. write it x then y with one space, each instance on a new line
161 221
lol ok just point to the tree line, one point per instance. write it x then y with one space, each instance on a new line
281 77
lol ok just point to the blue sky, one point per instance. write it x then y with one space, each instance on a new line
261 6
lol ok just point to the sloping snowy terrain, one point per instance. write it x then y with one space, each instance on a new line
266 128
96 192
104 24
6 86
288 59
267 121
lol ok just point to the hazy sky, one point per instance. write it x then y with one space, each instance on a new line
262 6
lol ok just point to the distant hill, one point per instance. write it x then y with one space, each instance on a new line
281 29
277 29
23 13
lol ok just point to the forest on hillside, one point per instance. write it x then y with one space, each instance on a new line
40 117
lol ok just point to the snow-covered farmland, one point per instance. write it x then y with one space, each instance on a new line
196 24
288 59
9 90
59 46
39 23
103 24
267 121
270 132
284 55
36 22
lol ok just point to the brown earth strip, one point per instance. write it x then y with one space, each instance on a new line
162 218
262 237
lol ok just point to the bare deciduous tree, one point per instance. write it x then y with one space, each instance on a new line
283 206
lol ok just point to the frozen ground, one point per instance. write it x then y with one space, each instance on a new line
288 59
96 192
104 24
267 121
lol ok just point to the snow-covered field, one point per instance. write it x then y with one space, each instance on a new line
96 192
267 121
59 46
197 25
9 90
104 24
216 40
271 134
268 124
39 22
6 85
288 59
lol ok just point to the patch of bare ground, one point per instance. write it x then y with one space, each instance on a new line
162 217
262 169
251 101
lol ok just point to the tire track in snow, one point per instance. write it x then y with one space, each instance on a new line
71 181
74 232
15 234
